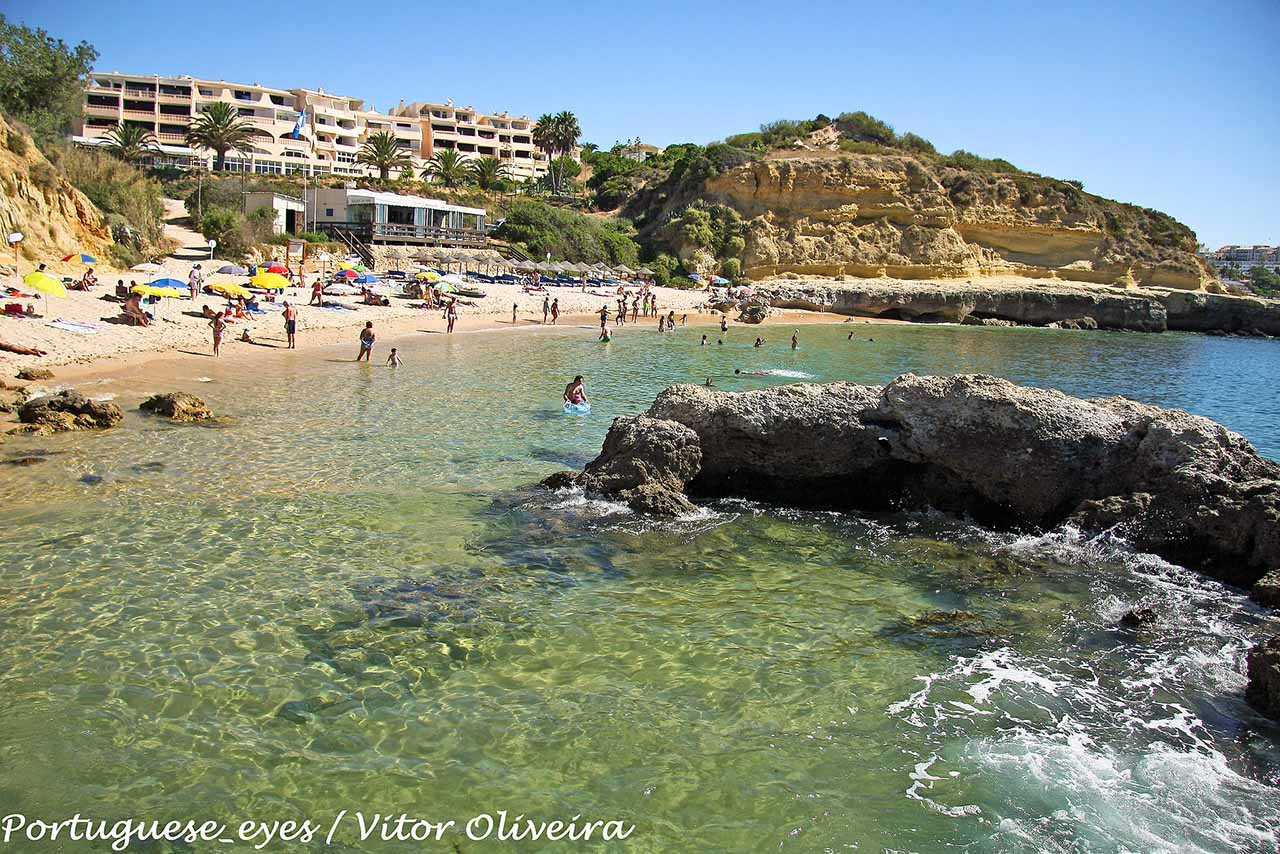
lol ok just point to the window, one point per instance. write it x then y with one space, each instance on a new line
278 100
207 93
328 211
243 95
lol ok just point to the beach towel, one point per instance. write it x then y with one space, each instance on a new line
76 326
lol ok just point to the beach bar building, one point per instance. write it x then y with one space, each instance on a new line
374 217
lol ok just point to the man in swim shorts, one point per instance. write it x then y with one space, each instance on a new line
574 393
290 322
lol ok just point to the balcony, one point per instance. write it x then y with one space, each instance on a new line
171 137
174 98
102 109
140 114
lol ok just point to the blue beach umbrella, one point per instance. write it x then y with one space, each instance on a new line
719 280
167 283
366 279
696 277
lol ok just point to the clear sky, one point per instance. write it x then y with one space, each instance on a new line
1171 105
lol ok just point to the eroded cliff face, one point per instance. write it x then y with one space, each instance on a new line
886 215
55 218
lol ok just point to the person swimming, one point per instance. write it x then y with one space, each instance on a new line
759 342
743 373
575 393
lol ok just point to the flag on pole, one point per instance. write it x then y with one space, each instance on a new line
297 126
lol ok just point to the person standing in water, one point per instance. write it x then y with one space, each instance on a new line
555 310
604 317
451 315
704 340
795 339
366 341
394 359
724 323
290 323
575 393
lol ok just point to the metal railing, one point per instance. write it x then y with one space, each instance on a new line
370 232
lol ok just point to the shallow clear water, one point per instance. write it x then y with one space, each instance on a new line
351 598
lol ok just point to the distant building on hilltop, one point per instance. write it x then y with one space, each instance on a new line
1244 257
332 131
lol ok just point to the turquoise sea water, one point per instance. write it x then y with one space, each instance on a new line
350 597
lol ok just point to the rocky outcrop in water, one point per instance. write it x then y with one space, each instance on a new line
1263 689
177 406
1032 304
67 410
1006 455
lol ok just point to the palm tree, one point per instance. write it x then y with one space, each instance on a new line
132 143
488 171
220 129
556 135
382 151
447 167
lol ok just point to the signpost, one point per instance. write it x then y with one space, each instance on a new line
213 244
15 237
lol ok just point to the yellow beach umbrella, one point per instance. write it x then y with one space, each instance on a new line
44 283
230 289
270 281
429 275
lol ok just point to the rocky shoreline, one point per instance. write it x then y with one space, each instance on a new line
1008 456
1030 304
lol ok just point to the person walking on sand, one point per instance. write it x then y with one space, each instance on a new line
366 341
635 309
193 282
394 359
514 307
219 325
317 292
290 324
546 309
555 311
451 315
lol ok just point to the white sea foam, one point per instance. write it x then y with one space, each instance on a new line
576 501
204 379
784 372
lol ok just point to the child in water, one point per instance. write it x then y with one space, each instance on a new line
394 359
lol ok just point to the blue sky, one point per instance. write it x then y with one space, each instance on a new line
1172 105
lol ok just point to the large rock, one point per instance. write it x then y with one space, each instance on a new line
1263 690
68 410
35 374
1172 483
1070 305
753 310
177 406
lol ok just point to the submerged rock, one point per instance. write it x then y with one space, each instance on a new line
1175 484
1266 590
1263 690
35 374
68 410
177 406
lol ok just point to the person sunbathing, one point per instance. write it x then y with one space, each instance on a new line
133 310
20 350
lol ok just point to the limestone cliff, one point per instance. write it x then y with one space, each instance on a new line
55 218
866 215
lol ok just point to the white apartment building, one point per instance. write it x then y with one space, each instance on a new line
1245 257
333 130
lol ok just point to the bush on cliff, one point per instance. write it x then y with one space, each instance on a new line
539 228
133 202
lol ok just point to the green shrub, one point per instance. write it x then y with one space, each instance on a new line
862 127
16 141
916 144
731 269
117 188
539 228
666 269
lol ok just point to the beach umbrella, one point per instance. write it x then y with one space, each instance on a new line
233 270
269 281
344 265
696 277
148 267
167 283
719 281
428 276
348 274
82 258
233 290
366 279
277 268
645 271
623 269
45 284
